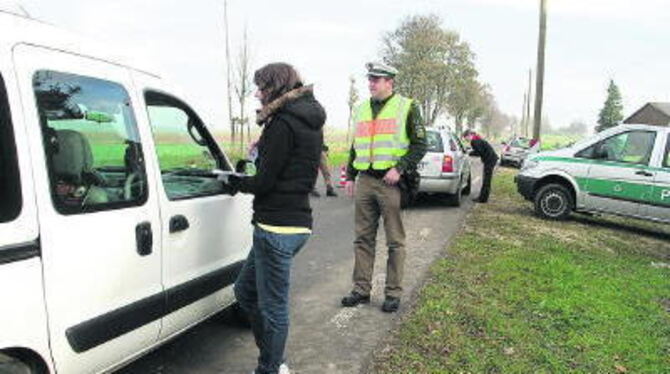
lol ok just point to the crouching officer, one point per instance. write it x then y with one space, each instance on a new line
390 140
489 158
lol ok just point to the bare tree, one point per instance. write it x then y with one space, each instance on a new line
353 99
434 65
243 88
228 77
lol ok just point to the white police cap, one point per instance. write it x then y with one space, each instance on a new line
378 69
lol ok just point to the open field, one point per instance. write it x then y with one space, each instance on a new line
517 294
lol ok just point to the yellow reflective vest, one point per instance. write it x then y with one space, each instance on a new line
381 142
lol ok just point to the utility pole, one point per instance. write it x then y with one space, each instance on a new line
522 124
539 89
228 79
530 98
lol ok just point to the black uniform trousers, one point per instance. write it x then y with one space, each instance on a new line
486 182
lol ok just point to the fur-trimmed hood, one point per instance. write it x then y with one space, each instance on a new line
298 102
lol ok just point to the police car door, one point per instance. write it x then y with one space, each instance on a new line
619 177
206 231
98 215
659 206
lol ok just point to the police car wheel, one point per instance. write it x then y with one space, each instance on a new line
553 201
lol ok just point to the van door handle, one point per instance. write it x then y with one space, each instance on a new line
144 238
178 223
644 173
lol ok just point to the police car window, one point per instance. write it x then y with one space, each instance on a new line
632 147
434 140
10 185
91 142
666 159
185 158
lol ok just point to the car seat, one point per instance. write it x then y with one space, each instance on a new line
72 164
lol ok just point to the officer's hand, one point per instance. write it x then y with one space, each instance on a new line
392 177
349 188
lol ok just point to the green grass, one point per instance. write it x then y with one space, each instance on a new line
169 155
517 294
555 141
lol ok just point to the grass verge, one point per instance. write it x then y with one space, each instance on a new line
517 294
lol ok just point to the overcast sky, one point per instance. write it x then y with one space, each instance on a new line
589 42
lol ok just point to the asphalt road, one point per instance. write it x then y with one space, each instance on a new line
324 337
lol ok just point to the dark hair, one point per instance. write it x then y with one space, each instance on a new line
276 79
467 132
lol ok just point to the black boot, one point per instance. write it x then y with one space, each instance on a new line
354 298
315 193
391 304
330 191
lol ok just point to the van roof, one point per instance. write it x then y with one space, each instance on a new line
17 28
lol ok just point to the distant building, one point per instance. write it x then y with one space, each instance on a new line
651 114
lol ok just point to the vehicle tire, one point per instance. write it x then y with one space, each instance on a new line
455 198
11 365
468 187
553 201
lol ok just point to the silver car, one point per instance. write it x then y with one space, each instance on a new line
516 150
445 169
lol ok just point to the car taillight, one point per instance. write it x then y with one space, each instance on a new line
506 149
448 164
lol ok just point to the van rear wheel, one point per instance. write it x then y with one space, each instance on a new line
553 201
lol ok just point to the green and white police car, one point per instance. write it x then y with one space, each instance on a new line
624 170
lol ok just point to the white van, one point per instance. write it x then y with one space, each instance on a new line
624 170
115 234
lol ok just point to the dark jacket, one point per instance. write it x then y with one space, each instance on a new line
483 149
289 151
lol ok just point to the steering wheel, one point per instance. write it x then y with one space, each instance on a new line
128 185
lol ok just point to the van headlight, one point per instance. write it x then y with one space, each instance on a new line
529 164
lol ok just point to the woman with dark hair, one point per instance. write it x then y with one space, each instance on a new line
289 151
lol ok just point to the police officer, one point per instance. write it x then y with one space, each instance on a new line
390 141
325 173
489 158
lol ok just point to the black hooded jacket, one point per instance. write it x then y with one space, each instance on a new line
289 151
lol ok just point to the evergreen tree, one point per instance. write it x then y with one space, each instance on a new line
612 113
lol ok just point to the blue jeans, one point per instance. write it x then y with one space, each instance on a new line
262 289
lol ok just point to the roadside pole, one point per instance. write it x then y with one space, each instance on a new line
539 89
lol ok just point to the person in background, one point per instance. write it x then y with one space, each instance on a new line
289 152
325 173
489 158
390 141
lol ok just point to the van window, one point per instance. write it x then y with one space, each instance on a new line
91 142
10 185
434 140
183 148
632 147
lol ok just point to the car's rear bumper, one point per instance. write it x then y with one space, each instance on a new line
525 186
513 158
445 184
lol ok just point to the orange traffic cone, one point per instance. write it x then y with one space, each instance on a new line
343 176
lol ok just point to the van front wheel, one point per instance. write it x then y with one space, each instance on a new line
11 365
554 202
